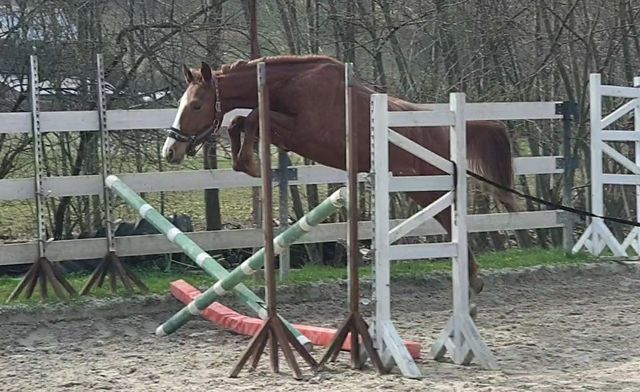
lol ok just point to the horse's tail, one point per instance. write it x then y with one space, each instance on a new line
489 155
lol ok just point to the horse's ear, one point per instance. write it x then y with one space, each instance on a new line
205 70
188 76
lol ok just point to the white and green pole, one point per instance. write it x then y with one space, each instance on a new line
213 268
255 262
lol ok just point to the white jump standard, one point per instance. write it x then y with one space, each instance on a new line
597 236
460 338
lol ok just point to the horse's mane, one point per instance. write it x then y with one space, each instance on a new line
243 64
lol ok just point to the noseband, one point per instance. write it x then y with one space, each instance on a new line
196 140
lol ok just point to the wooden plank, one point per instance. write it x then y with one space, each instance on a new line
79 120
620 91
621 159
421 152
189 180
420 183
13 123
25 253
502 110
421 118
397 349
380 189
422 251
141 119
420 217
184 180
621 179
618 113
537 165
70 121
67 121
22 189
620 136
17 189
511 111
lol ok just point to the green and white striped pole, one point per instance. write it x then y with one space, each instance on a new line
256 261
205 261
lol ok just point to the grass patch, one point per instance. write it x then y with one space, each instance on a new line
158 281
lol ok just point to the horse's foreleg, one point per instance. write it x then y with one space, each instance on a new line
234 130
247 158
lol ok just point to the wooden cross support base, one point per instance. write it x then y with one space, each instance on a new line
357 327
274 333
463 342
44 271
115 269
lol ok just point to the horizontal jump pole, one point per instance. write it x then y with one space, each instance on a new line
191 249
255 262
235 322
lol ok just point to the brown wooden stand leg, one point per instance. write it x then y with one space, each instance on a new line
258 352
93 278
112 266
277 336
59 275
46 274
26 280
355 325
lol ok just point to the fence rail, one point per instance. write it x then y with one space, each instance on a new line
139 245
190 180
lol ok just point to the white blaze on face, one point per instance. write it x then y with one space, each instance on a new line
176 125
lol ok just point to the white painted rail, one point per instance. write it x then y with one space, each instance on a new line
190 180
80 249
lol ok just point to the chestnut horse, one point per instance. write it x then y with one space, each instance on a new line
306 96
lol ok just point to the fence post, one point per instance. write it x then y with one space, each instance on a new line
569 111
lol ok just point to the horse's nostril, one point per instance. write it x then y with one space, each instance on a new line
170 154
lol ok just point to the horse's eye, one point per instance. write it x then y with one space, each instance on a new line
196 106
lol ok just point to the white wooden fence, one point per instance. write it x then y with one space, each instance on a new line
132 120
598 236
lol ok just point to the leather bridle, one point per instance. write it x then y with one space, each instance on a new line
196 140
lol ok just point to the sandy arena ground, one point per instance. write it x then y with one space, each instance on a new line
556 329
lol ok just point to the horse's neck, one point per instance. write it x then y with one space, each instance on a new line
238 90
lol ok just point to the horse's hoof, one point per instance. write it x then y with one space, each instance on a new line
476 283
254 169
473 311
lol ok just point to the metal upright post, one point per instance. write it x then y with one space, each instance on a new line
42 269
283 187
110 265
636 127
272 330
105 149
37 154
354 323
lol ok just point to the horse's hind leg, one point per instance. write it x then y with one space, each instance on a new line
475 281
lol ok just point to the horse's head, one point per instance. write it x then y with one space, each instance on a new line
199 115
